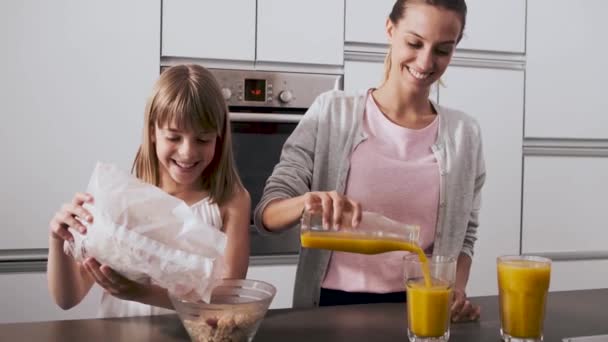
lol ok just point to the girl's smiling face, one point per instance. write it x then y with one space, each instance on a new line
183 155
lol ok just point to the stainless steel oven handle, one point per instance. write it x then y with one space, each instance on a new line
265 117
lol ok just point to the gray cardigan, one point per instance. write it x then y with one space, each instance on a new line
316 157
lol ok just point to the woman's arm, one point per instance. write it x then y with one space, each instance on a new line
236 226
283 213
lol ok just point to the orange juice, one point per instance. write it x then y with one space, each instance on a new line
354 243
523 285
428 308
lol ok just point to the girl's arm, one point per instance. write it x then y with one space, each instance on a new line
67 280
236 218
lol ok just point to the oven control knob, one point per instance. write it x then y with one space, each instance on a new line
226 93
285 96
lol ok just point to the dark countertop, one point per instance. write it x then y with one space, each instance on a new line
571 313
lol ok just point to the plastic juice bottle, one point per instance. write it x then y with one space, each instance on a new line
523 286
428 308
375 234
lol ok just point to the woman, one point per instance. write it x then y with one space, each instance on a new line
390 150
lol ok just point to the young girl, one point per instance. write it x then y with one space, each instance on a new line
388 150
186 151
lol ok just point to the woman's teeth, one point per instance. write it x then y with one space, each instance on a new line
418 75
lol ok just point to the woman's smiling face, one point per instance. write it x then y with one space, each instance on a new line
422 44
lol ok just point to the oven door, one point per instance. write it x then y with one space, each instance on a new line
258 139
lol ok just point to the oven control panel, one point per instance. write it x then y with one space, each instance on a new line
273 89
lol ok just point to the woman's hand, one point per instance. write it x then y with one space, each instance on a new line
115 284
333 207
462 309
71 215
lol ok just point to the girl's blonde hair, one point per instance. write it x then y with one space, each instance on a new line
190 97
398 12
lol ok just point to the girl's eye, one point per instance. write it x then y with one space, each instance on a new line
173 139
414 45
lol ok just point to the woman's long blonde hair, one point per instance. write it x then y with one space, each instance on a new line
189 96
398 12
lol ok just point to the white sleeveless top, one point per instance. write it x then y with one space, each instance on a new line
115 307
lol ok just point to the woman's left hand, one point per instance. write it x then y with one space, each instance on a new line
463 309
115 284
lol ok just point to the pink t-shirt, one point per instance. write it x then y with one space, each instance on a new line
394 173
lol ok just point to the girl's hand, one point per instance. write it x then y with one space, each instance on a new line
333 207
462 309
115 284
71 215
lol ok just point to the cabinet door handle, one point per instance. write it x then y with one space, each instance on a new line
571 256
265 117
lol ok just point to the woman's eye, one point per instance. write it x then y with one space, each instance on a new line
443 52
173 139
414 45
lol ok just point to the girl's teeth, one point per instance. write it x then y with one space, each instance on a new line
184 166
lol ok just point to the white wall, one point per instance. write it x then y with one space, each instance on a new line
75 79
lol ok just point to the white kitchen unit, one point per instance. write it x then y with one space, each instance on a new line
495 98
565 73
282 277
361 75
75 80
578 275
564 204
25 298
564 218
295 31
209 29
365 21
497 25
492 25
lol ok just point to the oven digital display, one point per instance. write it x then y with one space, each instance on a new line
255 90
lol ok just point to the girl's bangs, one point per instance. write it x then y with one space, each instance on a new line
186 114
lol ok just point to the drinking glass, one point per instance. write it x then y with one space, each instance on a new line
429 297
523 283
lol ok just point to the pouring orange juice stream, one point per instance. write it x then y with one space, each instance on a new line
345 242
428 302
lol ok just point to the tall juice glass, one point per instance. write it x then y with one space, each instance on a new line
428 305
523 283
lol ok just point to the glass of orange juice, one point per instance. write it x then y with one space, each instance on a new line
429 283
523 283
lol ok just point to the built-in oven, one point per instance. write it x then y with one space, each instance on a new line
265 108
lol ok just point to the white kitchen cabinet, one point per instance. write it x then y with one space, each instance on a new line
365 21
565 73
497 25
578 275
280 276
361 75
492 25
495 98
74 84
209 29
295 31
25 298
564 204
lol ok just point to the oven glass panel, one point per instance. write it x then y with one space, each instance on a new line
257 149
255 90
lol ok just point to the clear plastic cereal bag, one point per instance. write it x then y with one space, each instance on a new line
148 235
